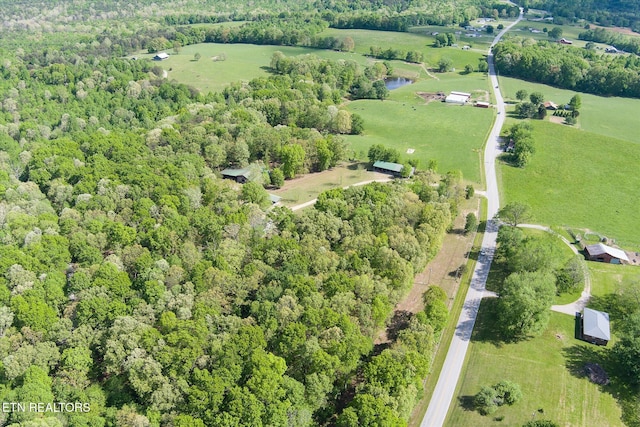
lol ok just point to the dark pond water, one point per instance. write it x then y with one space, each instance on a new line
396 82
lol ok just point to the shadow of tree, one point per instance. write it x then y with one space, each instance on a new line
398 322
466 403
357 165
619 387
487 327
578 356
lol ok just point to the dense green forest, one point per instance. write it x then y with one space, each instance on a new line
135 280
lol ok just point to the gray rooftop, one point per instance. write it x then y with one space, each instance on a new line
596 324
601 248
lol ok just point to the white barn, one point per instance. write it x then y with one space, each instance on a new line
460 98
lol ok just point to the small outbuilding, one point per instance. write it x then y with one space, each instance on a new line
274 199
482 104
549 105
161 56
394 169
242 176
565 41
595 327
603 253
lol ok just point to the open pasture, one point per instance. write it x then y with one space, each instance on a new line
580 179
612 117
569 32
242 62
420 39
547 367
450 134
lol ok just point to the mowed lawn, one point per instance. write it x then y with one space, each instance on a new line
450 134
613 116
243 62
546 368
579 179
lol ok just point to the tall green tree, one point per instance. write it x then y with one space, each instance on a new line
292 160
514 213
525 300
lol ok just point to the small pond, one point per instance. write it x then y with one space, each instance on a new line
395 82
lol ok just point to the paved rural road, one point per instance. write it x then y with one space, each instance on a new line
446 386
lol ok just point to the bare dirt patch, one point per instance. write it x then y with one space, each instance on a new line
431 96
634 257
556 119
481 95
308 186
444 270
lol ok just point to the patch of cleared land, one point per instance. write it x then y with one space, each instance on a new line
580 179
307 187
419 39
450 134
243 62
548 368
569 32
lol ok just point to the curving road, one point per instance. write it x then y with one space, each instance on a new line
448 379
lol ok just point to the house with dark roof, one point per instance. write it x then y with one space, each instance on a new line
239 175
595 327
394 169
603 253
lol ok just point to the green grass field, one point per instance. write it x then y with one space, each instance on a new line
569 32
580 179
614 117
243 63
450 134
546 368
435 133
419 39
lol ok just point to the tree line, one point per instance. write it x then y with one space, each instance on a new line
601 35
569 68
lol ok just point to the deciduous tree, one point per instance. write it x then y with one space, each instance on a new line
525 300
